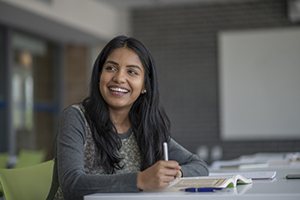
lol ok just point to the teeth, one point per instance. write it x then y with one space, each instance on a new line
118 90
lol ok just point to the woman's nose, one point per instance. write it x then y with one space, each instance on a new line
119 77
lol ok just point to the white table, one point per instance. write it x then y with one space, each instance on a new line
279 188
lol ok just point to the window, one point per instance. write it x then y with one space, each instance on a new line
34 91
29 91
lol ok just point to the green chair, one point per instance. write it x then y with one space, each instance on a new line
3 164
28 158
28 183
3 160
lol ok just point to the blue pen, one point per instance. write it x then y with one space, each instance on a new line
202 189
190 190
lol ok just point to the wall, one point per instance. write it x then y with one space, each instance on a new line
97 19
76 74
183 41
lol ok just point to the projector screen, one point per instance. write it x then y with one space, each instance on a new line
259 84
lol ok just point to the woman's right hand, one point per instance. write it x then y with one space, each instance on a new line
158 175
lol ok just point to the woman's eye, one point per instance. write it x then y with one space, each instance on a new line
132 72
109 68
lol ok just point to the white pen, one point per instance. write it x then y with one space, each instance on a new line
166 155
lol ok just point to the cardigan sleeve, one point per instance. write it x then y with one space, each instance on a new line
73 180
191 164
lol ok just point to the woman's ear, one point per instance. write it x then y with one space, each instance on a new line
144 90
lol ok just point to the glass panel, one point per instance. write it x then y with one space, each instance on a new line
1 69
2 104
34 94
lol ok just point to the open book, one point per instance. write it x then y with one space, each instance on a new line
209 182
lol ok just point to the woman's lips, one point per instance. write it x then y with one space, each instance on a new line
118 91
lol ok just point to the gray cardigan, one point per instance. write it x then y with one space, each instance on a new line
70 175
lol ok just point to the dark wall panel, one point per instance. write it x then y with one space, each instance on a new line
183 41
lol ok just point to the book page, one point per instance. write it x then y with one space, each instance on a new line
199 183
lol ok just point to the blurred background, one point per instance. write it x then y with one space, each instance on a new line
228 69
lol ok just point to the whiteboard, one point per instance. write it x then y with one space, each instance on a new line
259 77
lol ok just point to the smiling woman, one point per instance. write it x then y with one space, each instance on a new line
113 140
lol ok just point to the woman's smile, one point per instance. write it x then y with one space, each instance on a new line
118 90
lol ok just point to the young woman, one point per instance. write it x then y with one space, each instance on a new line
113 140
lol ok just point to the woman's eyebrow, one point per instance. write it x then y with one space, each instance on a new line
112 62
135 66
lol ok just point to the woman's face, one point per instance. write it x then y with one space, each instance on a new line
122 79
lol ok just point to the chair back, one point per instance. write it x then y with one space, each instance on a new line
3 159
28 183
28 158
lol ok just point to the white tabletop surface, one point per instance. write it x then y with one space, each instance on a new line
278 188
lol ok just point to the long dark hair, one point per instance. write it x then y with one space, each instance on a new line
149 121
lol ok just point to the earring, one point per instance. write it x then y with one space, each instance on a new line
145 91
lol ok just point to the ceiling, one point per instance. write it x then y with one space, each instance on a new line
143 3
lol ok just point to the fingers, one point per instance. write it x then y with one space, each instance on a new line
167 168
159 175
168 171
169 164
178 175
